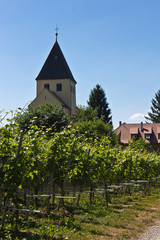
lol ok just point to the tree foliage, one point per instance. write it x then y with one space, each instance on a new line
47 116
98 100
96 129
87 124
154 115
85 114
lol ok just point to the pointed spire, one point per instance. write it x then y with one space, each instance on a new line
56 29
55 66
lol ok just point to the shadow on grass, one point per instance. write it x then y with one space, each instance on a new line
99 233
90 220
25 235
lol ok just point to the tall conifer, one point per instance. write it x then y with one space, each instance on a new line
98 100
154 115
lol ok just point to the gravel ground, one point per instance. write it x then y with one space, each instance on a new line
152 234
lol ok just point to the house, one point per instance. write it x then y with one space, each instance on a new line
148 131
55 82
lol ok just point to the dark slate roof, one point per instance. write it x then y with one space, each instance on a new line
55 66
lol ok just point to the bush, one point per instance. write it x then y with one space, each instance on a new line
47 116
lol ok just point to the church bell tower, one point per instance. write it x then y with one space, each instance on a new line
55 82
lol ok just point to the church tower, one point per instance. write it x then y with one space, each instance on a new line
55 82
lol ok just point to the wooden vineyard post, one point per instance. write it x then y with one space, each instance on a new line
28 199
105 184
106 193
74 190
36 199
53 185
7 199
49 190
130 171
27 196
4 213
91 194
16 213
53 190
20 144
65 178
79 195
17 155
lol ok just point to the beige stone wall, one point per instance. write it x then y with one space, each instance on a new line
45 97
67 95
73 97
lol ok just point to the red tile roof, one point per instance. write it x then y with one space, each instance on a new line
127 131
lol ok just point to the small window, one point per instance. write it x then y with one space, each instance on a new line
46 85
148 136
158 135
59 87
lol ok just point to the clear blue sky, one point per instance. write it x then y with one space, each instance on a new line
115 43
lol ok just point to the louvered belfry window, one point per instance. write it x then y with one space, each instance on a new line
46 85
59 87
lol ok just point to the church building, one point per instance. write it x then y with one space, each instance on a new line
55 82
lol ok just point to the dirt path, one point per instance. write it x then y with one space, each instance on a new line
152 234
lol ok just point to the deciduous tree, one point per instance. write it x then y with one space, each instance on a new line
47 115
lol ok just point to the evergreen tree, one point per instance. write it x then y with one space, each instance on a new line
97 99
154 115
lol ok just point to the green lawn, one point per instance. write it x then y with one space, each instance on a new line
126 218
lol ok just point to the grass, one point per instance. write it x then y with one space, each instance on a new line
126 218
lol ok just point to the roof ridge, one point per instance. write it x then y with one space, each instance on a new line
63 103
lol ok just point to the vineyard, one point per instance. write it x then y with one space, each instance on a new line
41 171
